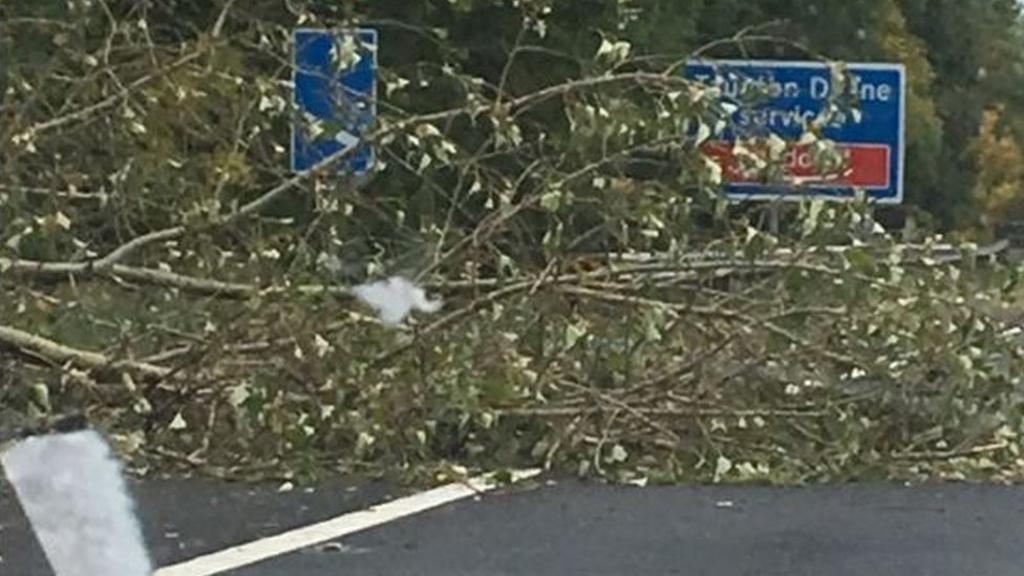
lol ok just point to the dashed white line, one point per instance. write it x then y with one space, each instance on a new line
304 537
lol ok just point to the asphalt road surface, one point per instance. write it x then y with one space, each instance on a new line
570 528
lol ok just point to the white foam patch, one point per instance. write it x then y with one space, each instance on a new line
72 490
394 298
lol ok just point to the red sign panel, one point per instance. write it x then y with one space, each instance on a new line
864 166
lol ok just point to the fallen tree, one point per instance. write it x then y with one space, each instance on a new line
197 302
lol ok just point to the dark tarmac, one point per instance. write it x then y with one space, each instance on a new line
571 528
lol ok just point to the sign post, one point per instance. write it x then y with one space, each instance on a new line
335 97
860 112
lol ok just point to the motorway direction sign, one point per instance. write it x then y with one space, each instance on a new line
861 111
335 96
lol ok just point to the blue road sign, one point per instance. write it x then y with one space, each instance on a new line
335 98
866 125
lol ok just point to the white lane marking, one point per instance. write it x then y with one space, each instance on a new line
299 538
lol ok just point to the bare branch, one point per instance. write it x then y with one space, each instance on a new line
61 354
218 26
83 113
155 277
124 250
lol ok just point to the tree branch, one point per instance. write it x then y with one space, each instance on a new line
61 354
155 277
111 100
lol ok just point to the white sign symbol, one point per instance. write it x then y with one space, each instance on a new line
346 138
